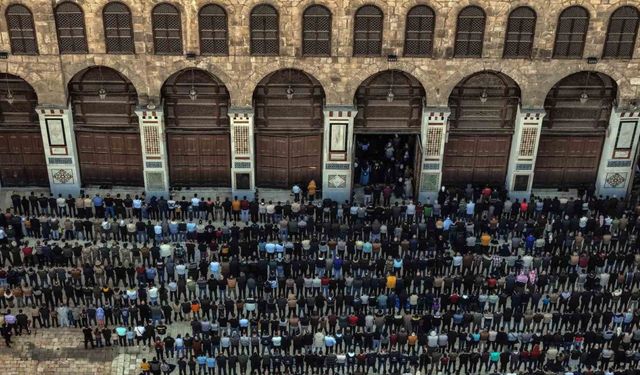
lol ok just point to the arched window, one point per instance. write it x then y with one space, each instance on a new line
118 32
520 32
167 30
470 32
72 37
316 31
622 32
367 31
21 30
212 20
571 33
265 30
418 37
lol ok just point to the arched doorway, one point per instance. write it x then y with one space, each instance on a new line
288 124
106 127
197 126
483 112
22 161
387 129
578 109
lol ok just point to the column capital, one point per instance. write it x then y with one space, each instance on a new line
51 109
340 111
239 112
149 113
435 114
627 113
533 113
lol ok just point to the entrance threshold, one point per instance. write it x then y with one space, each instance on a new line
553 193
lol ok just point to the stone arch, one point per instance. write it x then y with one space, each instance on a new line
156 75
88 83
299 81
390 99
538 93
207 97
19 100
446 87
600 92
246 85
48 86
128 70
481 90
426 76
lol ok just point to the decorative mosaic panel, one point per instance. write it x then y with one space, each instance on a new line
242 164
151 140
337 166
66 161
523 167
434 139
337 181
153 164
528 142
62 176
155 180
241 140
431 166
615 180
618 163
430 182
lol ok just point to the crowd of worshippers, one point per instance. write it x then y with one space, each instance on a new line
471 281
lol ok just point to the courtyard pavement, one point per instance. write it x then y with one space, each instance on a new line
61 351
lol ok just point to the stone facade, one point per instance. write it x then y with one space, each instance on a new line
341 73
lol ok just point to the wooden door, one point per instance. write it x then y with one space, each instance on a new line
476 159
22 160
566 161
199 159
305 159
113 158
282 160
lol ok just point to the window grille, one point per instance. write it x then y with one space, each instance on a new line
418 38
118 32
367 38
167 30
520 33
72 37
213 30
470 32
571 33
316 31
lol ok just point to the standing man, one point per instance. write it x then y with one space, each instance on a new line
296 192
88 337
6 334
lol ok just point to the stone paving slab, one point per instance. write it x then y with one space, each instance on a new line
61 351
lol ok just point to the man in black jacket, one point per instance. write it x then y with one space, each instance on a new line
88 337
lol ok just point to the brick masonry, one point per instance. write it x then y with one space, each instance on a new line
339 74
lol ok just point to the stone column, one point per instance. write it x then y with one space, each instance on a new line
615 173
61 154
154 151
524 149
337 152
243 180
433 137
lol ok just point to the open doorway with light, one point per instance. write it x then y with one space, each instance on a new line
382 160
